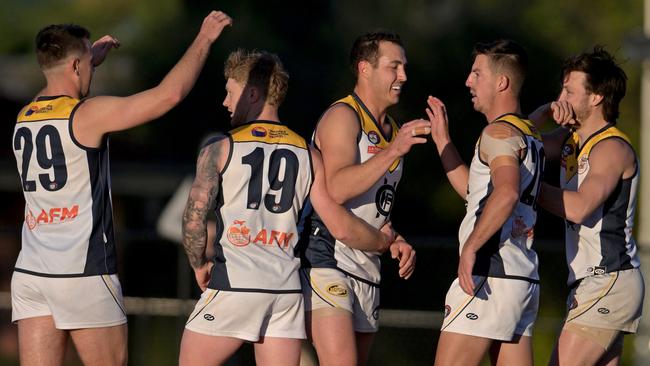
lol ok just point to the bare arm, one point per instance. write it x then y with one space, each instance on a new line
609 161
456 170
343 225
202 195
504 173
104 114
336 137
562 113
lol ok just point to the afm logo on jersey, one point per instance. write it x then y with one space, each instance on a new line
55 215
239 235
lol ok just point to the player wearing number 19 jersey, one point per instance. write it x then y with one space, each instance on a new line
258 176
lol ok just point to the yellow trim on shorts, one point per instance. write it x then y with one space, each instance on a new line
467 301
109 284
317 290
592 302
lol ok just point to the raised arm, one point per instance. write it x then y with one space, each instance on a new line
503 159
455 169
202 196
336 137
100 115
609 161
562 113
343 225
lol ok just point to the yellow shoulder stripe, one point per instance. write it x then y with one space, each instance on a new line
59 108
522 124
269 133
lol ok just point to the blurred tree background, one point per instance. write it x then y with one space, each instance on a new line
313 40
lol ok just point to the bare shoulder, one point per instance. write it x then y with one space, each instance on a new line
613 151
339 116
501 130
214 153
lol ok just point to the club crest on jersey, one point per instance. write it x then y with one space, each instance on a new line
238 234
55 215
373 137
384 198
583 164
259 131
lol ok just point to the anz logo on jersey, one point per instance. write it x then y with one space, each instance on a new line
55 215
239 235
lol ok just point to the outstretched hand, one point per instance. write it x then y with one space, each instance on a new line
101 47
439 122
409 135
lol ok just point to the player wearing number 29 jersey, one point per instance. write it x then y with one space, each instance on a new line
265 183
68 227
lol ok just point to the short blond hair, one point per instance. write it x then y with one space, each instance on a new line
261 69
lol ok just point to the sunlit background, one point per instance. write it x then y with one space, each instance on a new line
313 39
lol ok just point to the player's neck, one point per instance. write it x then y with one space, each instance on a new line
591 125
269 113
60 86
502 106
376 107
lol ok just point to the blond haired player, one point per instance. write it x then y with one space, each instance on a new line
258 177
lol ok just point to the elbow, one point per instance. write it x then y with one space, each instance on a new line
510 198
340 232
578 216
174 97
337 197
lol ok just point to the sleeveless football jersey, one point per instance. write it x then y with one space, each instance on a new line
373 206
264 185
604 242
68 228
509 253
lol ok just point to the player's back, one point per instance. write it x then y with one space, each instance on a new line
68 229
265 183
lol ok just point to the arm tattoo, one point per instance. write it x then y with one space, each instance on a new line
202 195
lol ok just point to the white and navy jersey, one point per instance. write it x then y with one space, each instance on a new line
373 206
604 242
68 228
509 253
264 186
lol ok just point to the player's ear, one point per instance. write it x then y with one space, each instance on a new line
595 99
503 81
363 68
75 66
